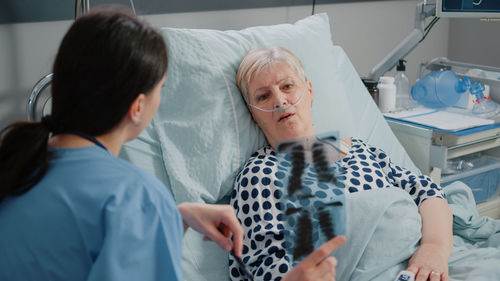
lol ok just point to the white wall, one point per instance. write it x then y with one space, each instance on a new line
366 31
27 52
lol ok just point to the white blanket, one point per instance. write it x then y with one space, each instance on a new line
384 230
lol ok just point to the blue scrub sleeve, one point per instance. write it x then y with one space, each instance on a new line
143 240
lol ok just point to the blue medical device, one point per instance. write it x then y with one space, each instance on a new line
405 276
440 89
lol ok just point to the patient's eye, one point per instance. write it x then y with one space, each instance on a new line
262 97
288 86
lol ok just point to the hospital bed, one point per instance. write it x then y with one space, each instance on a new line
203 133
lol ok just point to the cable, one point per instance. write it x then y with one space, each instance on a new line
429 27
430 23
313 6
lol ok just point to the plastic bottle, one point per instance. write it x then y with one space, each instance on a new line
386 94
402 87
439 89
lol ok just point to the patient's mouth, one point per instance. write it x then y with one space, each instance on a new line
285 117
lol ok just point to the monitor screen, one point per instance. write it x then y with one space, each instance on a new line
468 8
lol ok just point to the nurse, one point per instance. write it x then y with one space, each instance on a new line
70 209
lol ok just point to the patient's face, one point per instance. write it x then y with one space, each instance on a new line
279 84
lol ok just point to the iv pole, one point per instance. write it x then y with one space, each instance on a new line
81 7
424 9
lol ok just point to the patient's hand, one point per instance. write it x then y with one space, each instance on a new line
430 262
319 265
217 222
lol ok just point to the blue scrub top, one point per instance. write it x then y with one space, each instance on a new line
92 217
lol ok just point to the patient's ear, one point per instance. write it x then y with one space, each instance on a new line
251 114
310 89
137 108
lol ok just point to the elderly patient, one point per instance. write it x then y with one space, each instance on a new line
280 98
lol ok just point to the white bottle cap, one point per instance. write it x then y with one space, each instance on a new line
387 80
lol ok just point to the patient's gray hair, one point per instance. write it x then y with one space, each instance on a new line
261 58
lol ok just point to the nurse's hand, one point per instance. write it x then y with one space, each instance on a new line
319 265
217 222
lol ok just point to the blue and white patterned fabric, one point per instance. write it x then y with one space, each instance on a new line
259 188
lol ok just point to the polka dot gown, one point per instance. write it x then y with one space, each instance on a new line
258 190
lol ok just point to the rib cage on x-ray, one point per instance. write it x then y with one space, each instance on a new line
321 154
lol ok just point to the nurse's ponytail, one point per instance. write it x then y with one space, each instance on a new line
23 156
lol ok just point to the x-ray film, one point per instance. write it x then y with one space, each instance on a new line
313 196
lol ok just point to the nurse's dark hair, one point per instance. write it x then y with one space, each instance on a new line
106 59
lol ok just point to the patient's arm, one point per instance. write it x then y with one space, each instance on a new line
258 207
436 243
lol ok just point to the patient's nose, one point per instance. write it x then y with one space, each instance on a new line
279 98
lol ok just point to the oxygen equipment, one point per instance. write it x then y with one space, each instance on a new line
440 89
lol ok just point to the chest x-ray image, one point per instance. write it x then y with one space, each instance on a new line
313 192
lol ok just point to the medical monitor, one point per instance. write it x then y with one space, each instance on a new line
468 8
